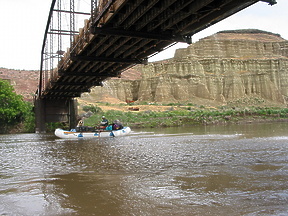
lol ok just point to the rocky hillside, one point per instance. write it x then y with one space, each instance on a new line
24 82
227 67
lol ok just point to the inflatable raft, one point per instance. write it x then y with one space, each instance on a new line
73 134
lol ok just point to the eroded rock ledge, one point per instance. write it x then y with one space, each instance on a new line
220 68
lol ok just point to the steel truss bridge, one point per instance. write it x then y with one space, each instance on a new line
116 35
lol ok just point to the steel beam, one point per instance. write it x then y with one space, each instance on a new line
271 2
87 74
68 84
138 34
65 11
69 91
105 59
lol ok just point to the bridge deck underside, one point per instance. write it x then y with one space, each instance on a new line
125 33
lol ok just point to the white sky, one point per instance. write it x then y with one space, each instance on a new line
23 23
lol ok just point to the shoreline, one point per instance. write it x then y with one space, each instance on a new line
175 116
239 122
187 116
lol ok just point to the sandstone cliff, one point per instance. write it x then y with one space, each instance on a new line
222 68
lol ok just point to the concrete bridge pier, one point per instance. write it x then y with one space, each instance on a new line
55 110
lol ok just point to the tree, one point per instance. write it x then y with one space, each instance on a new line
13 109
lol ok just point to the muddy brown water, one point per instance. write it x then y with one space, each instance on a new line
203 170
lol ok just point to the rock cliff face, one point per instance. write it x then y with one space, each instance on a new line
220 68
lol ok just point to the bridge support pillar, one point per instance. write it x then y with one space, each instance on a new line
55 110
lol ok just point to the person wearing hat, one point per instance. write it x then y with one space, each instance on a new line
104 123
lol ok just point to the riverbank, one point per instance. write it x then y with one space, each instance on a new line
172 116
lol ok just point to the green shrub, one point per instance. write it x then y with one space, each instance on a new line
51 126
92 108
13 109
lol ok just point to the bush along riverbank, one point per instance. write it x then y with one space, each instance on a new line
16 114
188 116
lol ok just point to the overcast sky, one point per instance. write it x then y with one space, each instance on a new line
23 22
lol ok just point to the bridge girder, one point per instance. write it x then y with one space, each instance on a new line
139 34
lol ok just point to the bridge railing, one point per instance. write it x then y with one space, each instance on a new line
60 32
79 42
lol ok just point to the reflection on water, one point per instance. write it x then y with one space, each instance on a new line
215 170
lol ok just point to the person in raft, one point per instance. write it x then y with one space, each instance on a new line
80 125
117 125
104 123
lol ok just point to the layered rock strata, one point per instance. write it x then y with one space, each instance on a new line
222 67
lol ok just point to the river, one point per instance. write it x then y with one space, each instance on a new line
203 170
